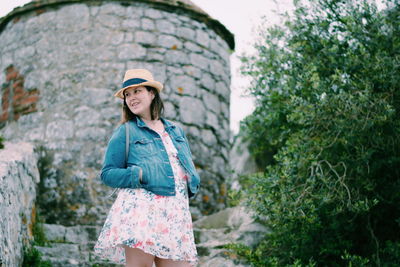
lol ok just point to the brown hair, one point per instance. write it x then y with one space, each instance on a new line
156 107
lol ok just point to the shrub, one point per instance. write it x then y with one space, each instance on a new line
326 128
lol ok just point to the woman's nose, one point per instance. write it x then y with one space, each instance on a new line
129 97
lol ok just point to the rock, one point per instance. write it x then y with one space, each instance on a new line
76 234
70 251
191 110
131 51
241 162
54 232
231 225
18 178
165 26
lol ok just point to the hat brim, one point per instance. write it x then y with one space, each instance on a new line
155 84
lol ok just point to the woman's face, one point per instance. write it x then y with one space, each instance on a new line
138 100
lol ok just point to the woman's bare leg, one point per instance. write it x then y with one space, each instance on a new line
138 258
170 263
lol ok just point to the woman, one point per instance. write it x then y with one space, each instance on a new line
150 219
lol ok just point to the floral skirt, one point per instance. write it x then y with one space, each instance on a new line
158 225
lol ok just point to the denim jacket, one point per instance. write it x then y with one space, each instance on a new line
147 152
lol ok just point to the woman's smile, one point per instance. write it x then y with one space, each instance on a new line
134 104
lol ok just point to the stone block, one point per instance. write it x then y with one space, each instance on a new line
208 82
7 59
208 137
109 21
175 57
219 70
212 103
223 90
96 96
202 38
31 25
170 111
90 133
222 52
76 234
153 13
130 24
60 250
131 51
192 71
112 9
191 110
128 37
151 56
134 12
59 129
169 41
184 85
165 26
24 54
142 37
186 33
212 120
54 232
230 225
192 47
221 261
147 24
117 38
199 61
68 15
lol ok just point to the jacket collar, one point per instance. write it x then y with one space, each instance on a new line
167 124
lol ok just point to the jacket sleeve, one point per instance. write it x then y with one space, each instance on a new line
114 172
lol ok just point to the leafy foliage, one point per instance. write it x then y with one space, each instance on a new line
33 258
39 237
327 130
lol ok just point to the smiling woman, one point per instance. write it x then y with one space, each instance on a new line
150 220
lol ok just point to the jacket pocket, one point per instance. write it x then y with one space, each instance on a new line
143 147
182 145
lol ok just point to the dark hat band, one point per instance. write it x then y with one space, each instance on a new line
133 82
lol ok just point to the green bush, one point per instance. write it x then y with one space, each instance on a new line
327 130
39 237
33 258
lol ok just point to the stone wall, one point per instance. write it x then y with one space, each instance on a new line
18 178
70 58
15 101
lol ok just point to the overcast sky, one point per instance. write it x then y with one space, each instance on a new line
241 18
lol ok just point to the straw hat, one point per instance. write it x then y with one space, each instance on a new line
136 78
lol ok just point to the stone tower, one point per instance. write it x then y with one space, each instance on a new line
61 61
